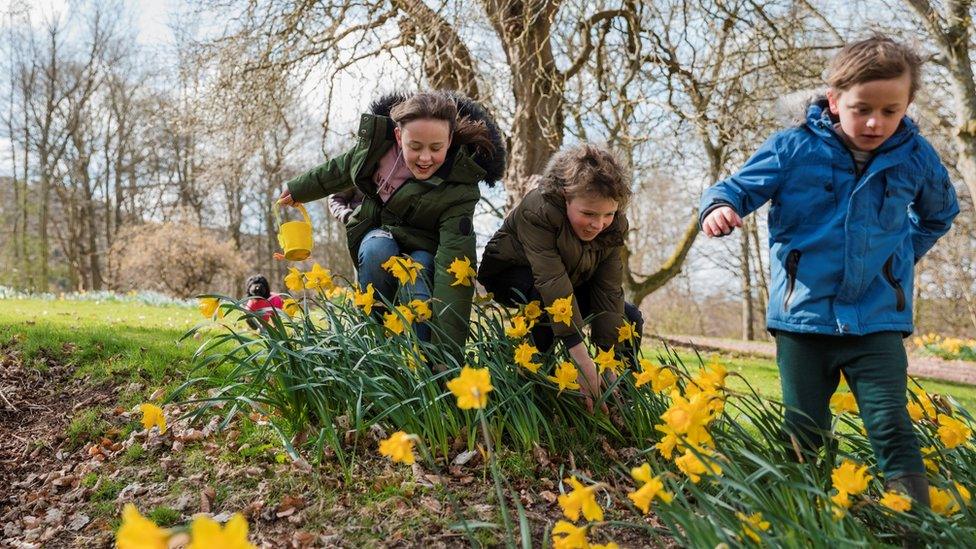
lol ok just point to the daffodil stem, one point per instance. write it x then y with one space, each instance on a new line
499 492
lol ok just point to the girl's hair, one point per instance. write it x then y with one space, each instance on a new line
441 106
874 58
587 170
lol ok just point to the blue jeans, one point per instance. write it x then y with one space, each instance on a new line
376 248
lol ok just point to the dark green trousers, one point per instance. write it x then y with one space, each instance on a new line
876 369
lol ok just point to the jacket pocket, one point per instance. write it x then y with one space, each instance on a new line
899 192
889 276
792 265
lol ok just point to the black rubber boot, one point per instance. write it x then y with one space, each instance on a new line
914 485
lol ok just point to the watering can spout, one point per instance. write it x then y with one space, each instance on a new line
295 237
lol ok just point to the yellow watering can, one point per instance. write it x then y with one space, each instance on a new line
295 237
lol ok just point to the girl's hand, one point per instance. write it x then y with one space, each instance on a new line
721 222
285 199
591 382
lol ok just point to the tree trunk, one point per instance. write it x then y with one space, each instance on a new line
637 291
746 273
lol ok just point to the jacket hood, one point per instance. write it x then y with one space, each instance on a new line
821 121
493 165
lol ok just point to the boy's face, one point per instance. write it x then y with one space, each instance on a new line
589 215
424 143
871 112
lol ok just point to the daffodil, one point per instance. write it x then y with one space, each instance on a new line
209 306
471 387
319 278
403 268
896 502
567 536
518 327
206 533
626 332
523 356
393 322
561 310
942 502
963 493
843 402
293 280
291 307
581 499
696 464
365 299
533 310
412 357
608 545
462 271
709 379
566 376
921 406
928 458
848 478
138 532
421 310
953 432
651 488
607 360
752 525
398 447
153 415
659 377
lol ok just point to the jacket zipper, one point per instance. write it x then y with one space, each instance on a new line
792 263
899 291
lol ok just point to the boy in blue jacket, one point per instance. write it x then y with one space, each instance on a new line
858 197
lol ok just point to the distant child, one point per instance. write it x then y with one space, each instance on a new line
261 301
857 198
565 238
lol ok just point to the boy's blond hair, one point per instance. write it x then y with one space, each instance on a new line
874 58
587 170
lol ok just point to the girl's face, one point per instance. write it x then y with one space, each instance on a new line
590 215
871 112
424 143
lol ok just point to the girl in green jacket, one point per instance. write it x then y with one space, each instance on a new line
565 238
417 162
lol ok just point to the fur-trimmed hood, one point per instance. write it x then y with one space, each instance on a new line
494 165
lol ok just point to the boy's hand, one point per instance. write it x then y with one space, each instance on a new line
721 222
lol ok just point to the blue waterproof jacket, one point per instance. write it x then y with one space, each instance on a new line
843 244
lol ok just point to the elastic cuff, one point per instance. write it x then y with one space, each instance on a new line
712 207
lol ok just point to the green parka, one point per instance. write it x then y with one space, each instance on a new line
537 234
435 214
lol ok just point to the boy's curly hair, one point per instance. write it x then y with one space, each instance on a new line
587 170
875 58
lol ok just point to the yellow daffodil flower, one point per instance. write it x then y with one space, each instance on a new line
519 328
365 299
291 307
651 488
293 280
210 305
462 271
153 415
626 332
206 533
752 525
533 310
566 376
942 502
896 502
580 499
420 309
393 323
567 536
471 388
561 310
606 360
523 357
138 532
921 406
848 478
398 447
694 467
319 278
843 402
403 268
953 432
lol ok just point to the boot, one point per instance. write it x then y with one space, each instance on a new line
913 485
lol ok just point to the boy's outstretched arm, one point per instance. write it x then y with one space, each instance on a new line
744 192
932 212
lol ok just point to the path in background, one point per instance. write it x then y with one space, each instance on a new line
929 367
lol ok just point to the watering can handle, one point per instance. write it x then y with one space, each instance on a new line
276 210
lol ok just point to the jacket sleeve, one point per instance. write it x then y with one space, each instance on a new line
932 212
607 300
452 304
538 239
329 177
750 187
